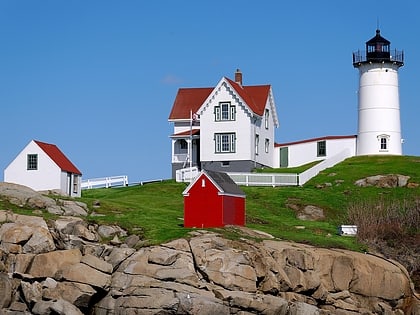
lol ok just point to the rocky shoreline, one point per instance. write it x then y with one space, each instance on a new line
63 266
61 269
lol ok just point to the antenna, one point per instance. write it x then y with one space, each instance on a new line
377 23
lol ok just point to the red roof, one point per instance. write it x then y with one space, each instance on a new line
58 157
255 96
314 139
190 99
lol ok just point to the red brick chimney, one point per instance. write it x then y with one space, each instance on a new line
238 77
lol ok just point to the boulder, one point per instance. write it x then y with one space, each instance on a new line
47 265
60 307
72 208
97 263
311 213
83 273
5 290
163 264
384 181
78 294
23 196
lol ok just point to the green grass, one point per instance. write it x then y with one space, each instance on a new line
155 210
298 169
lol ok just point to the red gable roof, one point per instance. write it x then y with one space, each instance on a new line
255 96
190 99
58 157
187 100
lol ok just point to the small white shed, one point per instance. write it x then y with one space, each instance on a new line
42 166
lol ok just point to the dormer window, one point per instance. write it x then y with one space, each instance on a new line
224 112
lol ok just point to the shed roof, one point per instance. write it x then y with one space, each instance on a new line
58 157
222 181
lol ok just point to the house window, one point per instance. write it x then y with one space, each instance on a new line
267 145
32 162
224 112
183 145
225 142
321 148
257 143
266 116
75 184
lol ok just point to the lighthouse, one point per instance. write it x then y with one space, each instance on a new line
379 127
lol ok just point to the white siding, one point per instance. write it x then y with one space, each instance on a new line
209 127
379 109
304 152
263 157
46 177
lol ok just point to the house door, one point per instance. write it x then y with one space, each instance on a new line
69 184
197 146
284 157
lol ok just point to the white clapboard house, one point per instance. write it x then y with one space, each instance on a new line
227 128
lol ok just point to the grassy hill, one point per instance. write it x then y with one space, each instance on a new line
155 210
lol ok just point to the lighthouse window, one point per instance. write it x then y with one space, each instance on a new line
383 144
321 148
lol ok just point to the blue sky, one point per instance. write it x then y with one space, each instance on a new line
98 78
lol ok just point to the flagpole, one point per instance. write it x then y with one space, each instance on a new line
191 123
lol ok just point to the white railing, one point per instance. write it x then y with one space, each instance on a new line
180 157
313 171
105 182
265 179
186 174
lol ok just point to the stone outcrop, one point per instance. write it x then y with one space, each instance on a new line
65 269
384 181
26 197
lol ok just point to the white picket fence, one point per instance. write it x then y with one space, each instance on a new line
106 182
265 179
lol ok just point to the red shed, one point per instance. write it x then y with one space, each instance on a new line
213 199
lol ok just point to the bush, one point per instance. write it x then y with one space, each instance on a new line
385 218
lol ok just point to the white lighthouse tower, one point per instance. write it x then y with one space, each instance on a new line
379 127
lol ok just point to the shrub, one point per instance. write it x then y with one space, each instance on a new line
385 219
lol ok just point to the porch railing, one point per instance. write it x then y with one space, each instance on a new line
186 174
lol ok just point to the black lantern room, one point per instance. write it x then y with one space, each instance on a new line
378 50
